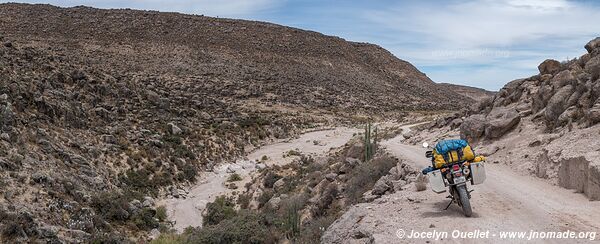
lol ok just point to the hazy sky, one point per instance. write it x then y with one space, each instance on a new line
482 43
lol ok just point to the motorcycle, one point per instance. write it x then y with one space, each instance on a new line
455 176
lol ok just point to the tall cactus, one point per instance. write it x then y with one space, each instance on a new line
370 145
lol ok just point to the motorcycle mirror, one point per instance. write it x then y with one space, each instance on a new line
425 144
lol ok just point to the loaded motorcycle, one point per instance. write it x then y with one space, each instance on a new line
455 174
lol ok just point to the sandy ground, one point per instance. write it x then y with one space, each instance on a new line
507 201
187 210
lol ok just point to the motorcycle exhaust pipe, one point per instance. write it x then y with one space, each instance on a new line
466 171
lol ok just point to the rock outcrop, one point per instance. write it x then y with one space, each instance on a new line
562 94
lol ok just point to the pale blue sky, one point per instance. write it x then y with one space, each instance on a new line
482 43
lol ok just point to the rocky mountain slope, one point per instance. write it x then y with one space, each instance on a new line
474 93
102 111
244 59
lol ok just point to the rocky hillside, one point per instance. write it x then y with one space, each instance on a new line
474 93
102 111
546 124
243 59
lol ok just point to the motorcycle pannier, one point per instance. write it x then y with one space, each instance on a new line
436 181
477 173
451 151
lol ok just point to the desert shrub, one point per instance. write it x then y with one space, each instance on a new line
244 200
314 178
170 238
190 172
111 206
16 225
108 238
245 227
221 209
312 231
138 180
173 139
234 177
183 151
293 153
364 176
270 179
290 215
161 213
254 121
144 219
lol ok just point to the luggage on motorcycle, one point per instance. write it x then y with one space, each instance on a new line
436 181
451 151
477 173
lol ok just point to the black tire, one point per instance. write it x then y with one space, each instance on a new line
463 196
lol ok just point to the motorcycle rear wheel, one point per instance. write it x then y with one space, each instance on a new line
464 200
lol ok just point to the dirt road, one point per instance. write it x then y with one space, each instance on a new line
187 209
507 201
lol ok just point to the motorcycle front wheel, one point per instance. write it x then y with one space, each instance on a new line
463 196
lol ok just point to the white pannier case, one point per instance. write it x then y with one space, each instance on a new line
436 181
477 173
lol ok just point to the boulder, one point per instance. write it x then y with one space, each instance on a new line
148 202
570 114
174 129
381 186
153 97
592 67
351 161
593 44
330 176
408 135
275 202
557 105
549 66
541 98
356 150
472 128
455 123
585 101
500 121
562 79
593 115
279 184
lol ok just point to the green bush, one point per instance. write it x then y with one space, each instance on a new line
364 176
112 206
244 200
246 227
190 172
161 213
234 177
144 219
221 209
170 238
312 231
